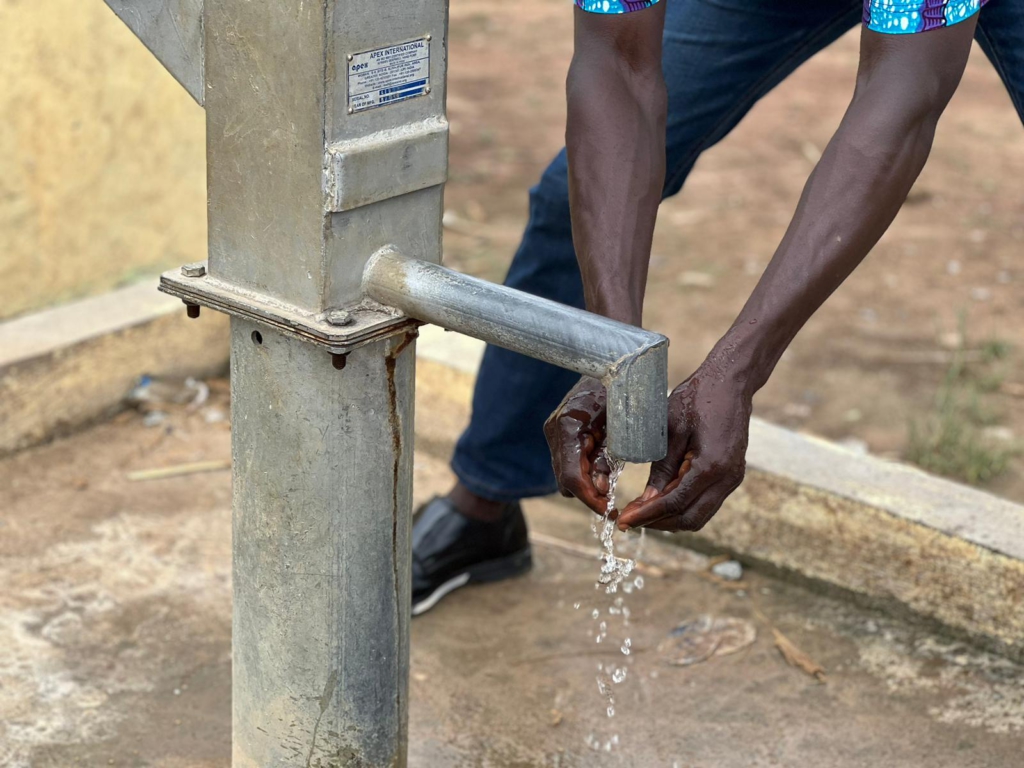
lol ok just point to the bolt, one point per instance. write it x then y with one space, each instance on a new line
192 310
350 110
427 89
429 37
350 57
339 361
194 270
338 317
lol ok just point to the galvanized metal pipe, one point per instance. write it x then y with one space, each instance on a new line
632 362
322 551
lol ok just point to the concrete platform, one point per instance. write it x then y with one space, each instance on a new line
115 642
64 367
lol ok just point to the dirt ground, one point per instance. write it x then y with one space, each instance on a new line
115 641
946 276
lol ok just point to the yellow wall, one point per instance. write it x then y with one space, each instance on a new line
102 166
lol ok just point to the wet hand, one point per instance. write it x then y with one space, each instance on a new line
576 436
708 428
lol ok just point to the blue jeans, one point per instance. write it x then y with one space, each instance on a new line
720 57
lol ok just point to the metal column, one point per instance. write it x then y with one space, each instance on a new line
322 467
327 152
322 432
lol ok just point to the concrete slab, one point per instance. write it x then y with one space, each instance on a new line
64 367
115 642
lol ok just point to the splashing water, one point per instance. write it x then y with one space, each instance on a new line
614 569
615 572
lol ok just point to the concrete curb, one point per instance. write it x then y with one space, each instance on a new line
884 532
64 367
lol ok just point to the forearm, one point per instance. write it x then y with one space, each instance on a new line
615 138
849 201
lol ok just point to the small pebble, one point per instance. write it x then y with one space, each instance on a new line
730 570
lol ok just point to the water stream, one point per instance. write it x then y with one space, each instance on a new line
611 612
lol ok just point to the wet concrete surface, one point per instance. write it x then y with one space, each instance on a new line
115 642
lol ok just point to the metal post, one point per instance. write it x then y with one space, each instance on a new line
322 493
322 456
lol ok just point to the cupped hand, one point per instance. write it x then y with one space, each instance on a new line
576 436
708 428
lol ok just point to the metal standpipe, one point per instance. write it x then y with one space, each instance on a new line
327 152
322 495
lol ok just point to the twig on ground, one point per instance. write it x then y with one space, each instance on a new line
796 657
793 654
179 470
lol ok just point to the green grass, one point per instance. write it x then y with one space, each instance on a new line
949 441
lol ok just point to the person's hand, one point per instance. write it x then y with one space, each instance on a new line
576 437
708 426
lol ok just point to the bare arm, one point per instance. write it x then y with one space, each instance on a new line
904 83
615 138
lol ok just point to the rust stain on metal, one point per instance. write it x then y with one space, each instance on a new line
390 363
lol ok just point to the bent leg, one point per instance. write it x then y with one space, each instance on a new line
1000 33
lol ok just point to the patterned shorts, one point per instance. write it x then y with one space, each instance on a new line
894 17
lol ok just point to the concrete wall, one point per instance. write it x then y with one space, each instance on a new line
102 157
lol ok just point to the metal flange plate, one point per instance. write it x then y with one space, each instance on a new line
369 321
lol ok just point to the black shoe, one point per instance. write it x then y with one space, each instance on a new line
450 550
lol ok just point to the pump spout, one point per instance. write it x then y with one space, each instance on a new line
631 362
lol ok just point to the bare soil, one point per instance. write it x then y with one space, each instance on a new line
115 647
874 358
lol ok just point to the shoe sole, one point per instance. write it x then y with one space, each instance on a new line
493 570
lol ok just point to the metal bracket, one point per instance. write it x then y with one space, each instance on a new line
368 321
386 164
173 31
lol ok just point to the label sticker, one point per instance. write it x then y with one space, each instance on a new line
387 75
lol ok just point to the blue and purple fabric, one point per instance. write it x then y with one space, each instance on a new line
614 6
905 17
894 17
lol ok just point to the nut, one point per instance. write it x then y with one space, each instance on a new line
338 317
194 270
